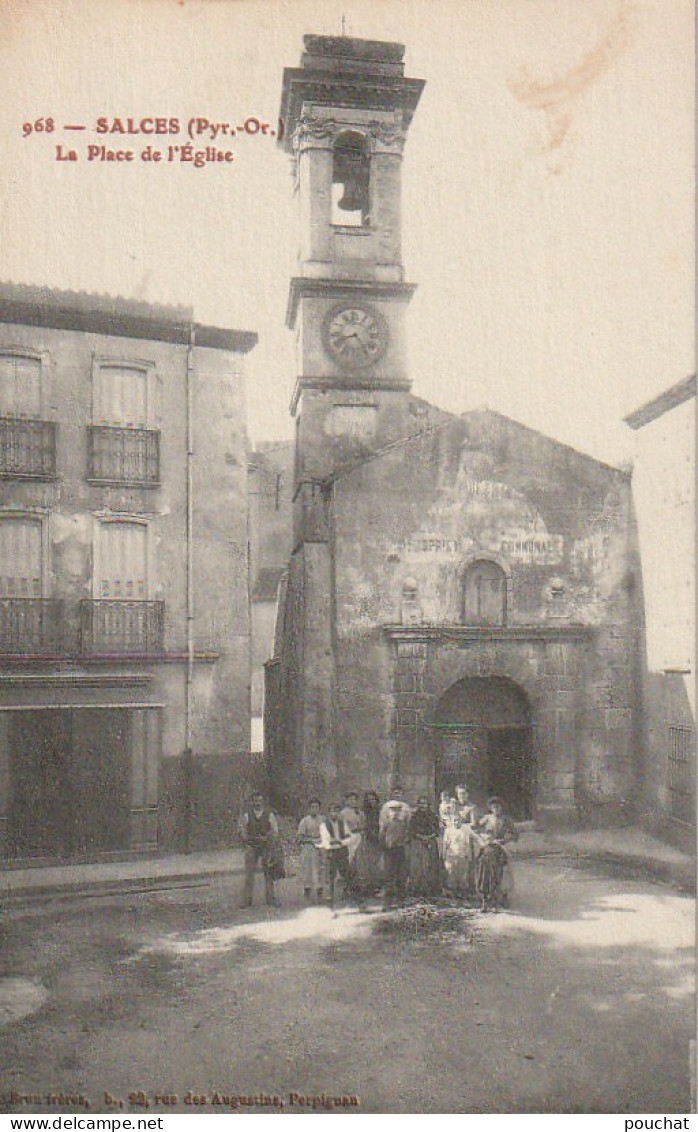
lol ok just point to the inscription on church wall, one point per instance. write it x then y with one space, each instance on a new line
517 544
534 549
487 489
434 545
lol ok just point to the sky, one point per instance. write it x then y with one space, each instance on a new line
548 188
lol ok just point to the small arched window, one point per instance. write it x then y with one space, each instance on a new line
484 594
351 166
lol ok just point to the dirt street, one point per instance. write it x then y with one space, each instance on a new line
578 1000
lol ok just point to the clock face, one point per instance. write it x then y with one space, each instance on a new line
355 336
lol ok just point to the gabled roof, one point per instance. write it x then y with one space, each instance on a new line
442 425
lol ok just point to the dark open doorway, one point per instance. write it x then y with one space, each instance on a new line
70 781
483 737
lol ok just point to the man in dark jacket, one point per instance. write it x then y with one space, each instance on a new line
258 828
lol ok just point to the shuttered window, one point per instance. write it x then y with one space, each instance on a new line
121 397
20 558
123 561
20 386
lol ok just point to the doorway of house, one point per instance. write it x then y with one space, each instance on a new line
483 737
70 782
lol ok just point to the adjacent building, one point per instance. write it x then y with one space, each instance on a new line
462 598
664 495
124 619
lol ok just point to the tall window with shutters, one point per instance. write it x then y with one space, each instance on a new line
21 559
27 442
28 621
121 396
122 618
123 561
122 445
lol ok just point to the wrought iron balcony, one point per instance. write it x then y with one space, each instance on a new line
30 626
123 455
115 628
27 448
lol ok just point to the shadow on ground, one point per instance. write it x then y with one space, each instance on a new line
578 1000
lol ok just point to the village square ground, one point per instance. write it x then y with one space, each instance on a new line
579 999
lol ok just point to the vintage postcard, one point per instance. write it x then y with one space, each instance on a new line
347 496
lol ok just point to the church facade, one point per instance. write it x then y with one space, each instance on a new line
461 601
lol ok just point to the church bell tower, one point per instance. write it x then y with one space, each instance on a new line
346 112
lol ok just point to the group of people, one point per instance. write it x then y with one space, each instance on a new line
390 847
474 860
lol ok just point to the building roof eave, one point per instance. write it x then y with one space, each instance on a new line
651 410
90 313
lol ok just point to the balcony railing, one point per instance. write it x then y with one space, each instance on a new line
30 626
117 627
27 448
123 455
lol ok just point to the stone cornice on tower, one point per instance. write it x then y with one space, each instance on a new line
320 131
352 73
301 286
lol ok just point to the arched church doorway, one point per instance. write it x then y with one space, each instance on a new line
482 727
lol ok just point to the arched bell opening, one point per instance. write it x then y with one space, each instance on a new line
484 738
351 175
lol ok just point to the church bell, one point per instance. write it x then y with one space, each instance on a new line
352 170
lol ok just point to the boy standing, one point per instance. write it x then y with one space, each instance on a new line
312 863
353 819
335 839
